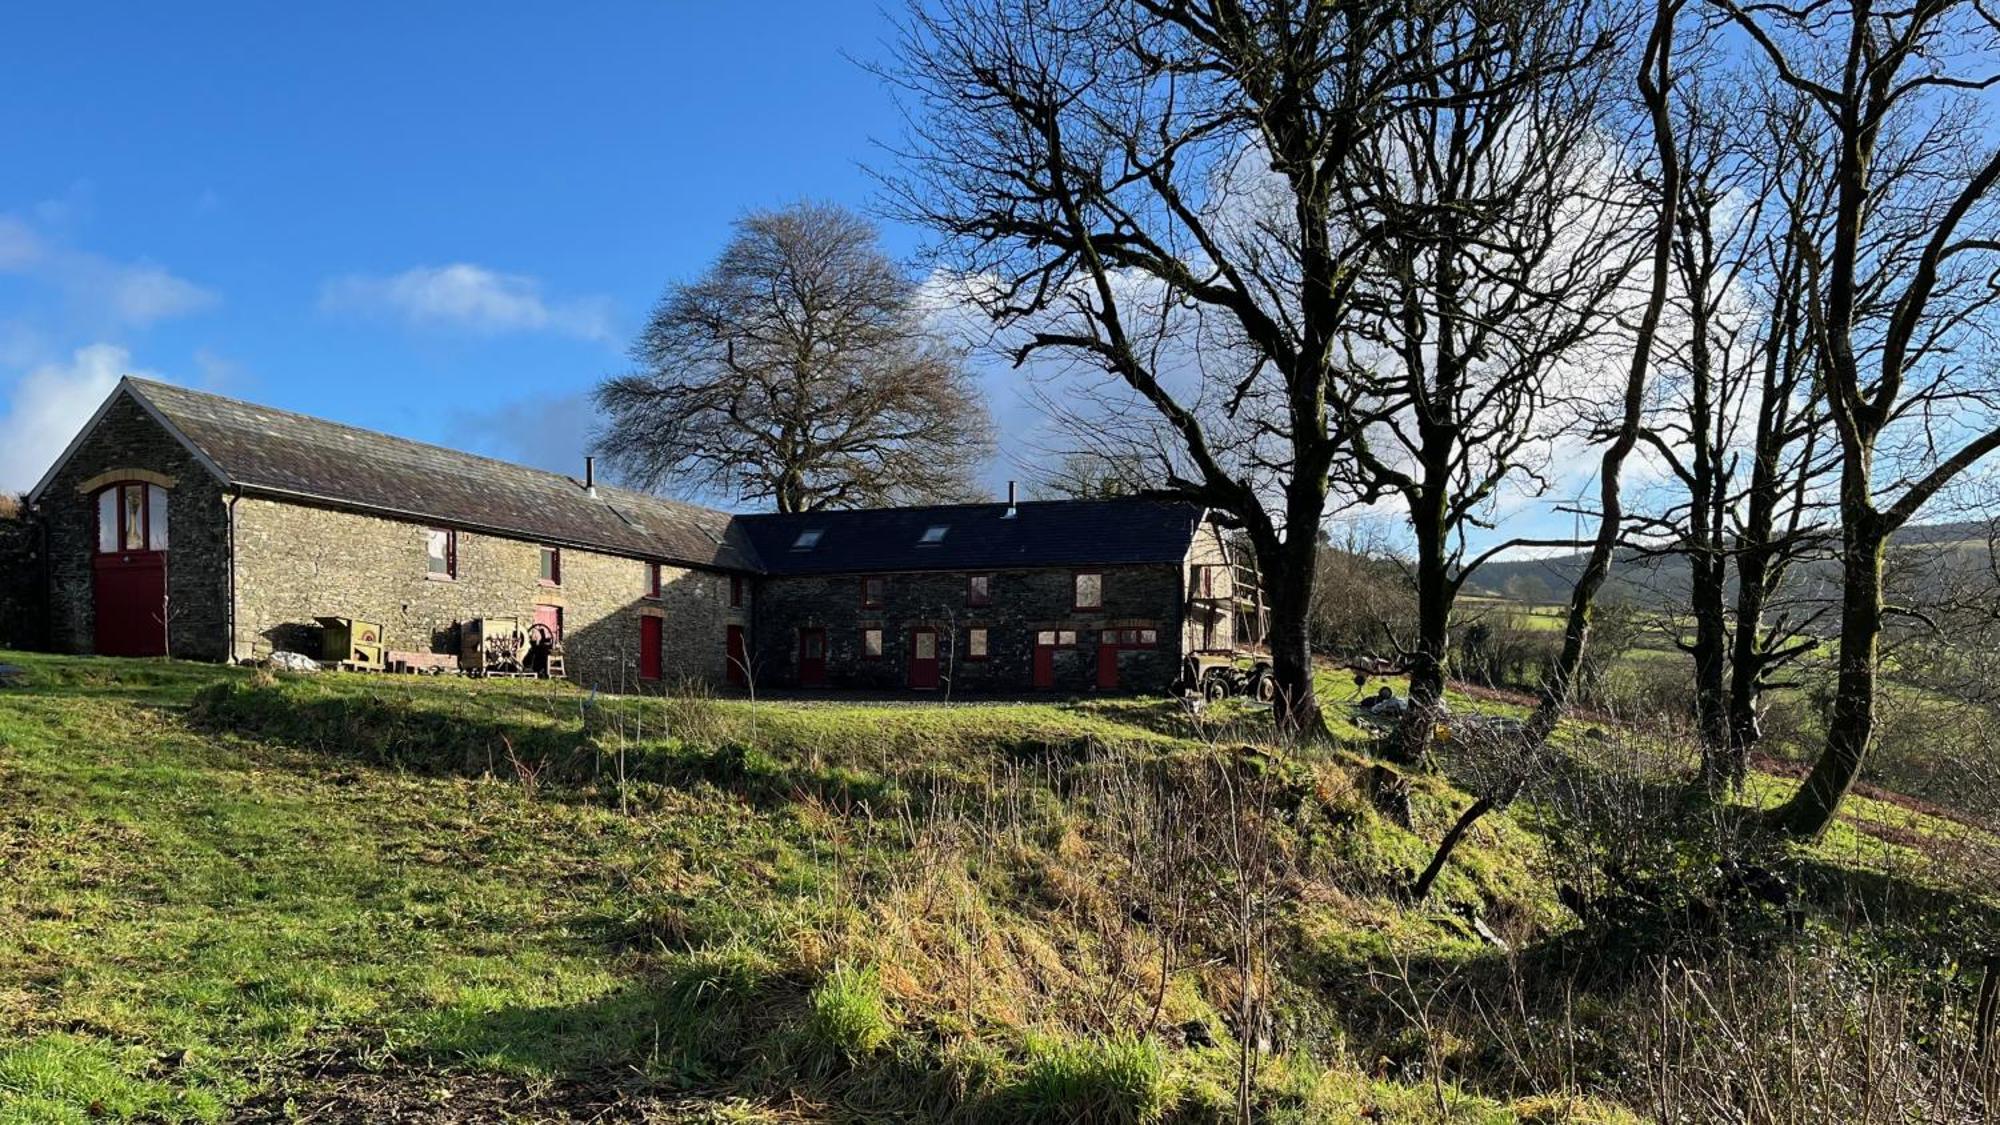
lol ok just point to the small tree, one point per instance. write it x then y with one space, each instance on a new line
800 370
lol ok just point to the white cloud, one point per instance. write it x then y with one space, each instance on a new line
467 296
102 291
50 404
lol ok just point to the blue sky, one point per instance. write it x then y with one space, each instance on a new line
440 220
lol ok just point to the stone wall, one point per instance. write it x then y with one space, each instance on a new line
1023 602
23 586
128 443
295 563
1211 611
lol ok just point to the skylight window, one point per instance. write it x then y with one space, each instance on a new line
933 535
807 540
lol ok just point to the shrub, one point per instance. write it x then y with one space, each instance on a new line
1088 1081
847 1019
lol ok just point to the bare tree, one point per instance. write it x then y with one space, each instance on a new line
1506 226
1157 194
1737 388
1900 300
800 370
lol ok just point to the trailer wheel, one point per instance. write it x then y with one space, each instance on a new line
1266 688
1215 688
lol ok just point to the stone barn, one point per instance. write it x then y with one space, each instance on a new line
188 524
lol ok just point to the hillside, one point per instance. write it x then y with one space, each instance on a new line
1922 559
227 896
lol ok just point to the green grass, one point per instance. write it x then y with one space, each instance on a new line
213 882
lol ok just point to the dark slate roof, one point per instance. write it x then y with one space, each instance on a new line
275 451
977 536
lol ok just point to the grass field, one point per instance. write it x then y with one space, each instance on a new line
229 896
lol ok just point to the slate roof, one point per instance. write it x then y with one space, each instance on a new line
977 536
260 449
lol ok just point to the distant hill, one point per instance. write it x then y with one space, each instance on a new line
1921 558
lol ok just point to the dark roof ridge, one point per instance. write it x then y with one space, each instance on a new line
175 388
967 505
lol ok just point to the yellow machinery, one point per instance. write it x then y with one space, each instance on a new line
348 643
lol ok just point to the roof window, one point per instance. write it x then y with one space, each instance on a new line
933 535
807 540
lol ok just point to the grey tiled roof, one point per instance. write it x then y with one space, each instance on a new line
261 449
976 536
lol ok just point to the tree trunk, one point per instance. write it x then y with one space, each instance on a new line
1852 725
1426 661
1746 666
1710 651
1288 572
1449 844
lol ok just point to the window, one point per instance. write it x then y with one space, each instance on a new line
132 517
736 590
807 540
979 590
871 644
1205 580
440 552
1059 638
652 580
156 518
975 644
933 535
1129 638
871 591
1090 591
551 566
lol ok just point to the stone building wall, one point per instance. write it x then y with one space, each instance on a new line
295 563
127 443
23 586
1211 607
1023 603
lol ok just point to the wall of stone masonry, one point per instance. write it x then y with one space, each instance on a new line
295 563
128 443
24 587
1023 602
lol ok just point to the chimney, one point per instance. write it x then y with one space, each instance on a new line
590 474
1011 510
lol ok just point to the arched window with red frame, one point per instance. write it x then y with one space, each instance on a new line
131 516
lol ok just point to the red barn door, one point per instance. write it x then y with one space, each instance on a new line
649 648
923 659
738 660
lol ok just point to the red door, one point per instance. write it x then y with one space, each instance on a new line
551 616
1107 667
649 648
738 670
129 601
812 657
923 659
1045 659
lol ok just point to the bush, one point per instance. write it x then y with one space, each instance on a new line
847 1019
1088 1082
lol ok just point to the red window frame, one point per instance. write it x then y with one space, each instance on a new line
653 580
881 642
874 599
121 526
974 596
735 591
1129 636
1076 590
552 556
984 631
450 571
